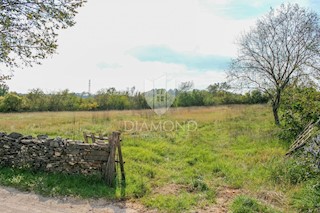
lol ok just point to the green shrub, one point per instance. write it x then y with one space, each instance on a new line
291 171
244 204
300 105
308 198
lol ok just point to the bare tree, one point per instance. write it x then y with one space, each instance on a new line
284 46
185 86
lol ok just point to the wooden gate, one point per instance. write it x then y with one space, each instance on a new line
109 168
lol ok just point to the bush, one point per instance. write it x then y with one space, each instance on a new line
291 171
244 204
300 105
308 198
304 165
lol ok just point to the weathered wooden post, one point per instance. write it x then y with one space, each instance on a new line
93 138
118 145
109 168
85 137
110 173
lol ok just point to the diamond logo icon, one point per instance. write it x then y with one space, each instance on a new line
160 94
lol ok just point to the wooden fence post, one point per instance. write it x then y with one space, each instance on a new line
109 169
118 145
93 138
85 137
110 173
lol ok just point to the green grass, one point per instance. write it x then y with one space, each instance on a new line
233 146
171 203
56 184
244 204
307 199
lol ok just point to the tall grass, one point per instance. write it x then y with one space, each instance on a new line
233 146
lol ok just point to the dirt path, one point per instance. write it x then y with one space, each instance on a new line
224 197
14 201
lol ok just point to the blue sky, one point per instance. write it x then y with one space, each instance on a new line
190 60
241 9
119 43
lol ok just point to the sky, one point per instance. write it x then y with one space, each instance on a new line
121 44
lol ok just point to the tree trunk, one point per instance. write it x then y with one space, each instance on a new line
275 107
276 115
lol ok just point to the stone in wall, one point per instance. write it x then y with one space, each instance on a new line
52 155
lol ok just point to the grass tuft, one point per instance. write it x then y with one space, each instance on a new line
245 204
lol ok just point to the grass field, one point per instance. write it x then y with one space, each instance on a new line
229 158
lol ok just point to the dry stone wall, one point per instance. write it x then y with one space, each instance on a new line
52 155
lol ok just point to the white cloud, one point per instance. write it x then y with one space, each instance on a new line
107 30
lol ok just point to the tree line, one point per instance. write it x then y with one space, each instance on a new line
112 99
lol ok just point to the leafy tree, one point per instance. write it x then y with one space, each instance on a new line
256 97
112 99
184 99
119 102
11 103
191 98
197 97
213 88
4 89
63 101
139 101
37 100
28 29
102 98
283 47
88 104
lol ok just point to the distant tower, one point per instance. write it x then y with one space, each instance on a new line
89 87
